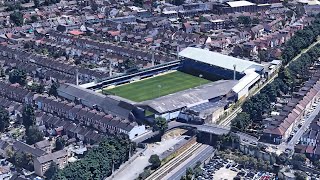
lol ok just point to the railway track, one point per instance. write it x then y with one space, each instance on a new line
165 169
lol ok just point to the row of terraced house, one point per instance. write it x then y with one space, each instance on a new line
281 126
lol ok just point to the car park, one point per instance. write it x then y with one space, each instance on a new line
233 169
216 163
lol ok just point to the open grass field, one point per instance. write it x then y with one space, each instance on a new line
157 86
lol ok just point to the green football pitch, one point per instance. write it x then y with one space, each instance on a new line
157 86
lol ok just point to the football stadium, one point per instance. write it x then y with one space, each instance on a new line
199 86
157 86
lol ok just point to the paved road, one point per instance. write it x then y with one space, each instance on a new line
305 126
191 162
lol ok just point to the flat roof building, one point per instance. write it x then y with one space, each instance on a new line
239 6
240 3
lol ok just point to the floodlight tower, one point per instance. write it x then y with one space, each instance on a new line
234 72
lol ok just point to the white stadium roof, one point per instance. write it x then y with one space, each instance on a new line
218 59
239 3
247 79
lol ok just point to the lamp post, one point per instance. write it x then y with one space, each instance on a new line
159 86
200 76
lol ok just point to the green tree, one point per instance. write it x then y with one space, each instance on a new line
299 157
53 169
23 160
36 3
177 2
98 161
299 10
154 161
28 117
316 163
34 135
203 19
4 119
189 173
285 3
94 6
12 7
286 76
271 90
289 14
263 55
17 18
282 159
27 45
287 54
145 174
241 121
53 91
2 73
138 3
77 61
256 106
129 65
300 175
184 177
245 20
161 124
18 76
255 21
38 88
60 143
18 159
34 19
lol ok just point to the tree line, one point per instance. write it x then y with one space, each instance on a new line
289 77
100 161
